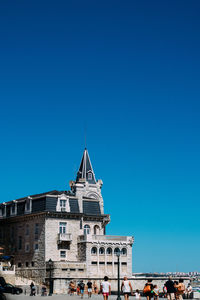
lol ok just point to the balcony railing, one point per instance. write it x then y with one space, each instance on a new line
64 237
116 238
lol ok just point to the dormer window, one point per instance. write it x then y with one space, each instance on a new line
89 176
63 205
28 205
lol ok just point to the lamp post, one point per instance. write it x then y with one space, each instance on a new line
118 274
50 263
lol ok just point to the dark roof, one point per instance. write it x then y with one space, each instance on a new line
91 207
85 170
74 207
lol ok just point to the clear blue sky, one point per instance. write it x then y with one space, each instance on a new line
129 72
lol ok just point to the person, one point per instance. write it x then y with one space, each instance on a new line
188 291
71 288
95 287
33 289
169 284
126 288
44 289
105 288
180 289
155 292
89 288
137 295
148 289
82 287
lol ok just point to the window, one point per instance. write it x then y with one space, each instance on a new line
124 263
19 243
109 251
102 262
36 246
109 263
62 227
27 229
28 206
94 250
94 262
19 264
124 251
96 229
13 209
32 264
36 228
117 250
26 264
86 229
63 205
89 176
62 254
80 270
101 250
73 270
27 247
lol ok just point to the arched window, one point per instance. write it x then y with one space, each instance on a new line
96 229
101 250
109 251
117 250
124 251
94 250
86 229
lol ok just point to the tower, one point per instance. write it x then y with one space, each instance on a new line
86 186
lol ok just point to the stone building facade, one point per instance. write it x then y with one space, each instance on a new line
67 227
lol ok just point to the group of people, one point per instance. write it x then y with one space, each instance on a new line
80 288
173 290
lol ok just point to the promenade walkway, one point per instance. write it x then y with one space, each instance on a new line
63 297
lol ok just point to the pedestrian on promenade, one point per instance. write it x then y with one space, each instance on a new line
170 289
82 287
180 289
89 288
44 289
95 287
155 292
137 295
33 289
126 288
148 289
188 291
105 288
71 288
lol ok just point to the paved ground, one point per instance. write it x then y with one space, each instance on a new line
63 297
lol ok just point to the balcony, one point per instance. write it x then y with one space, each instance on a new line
64 237
105 238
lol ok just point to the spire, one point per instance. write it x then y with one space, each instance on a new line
85 171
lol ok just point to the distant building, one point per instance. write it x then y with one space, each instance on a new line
67 227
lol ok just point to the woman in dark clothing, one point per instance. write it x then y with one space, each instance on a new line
148 289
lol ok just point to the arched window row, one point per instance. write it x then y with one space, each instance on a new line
109 251
87 229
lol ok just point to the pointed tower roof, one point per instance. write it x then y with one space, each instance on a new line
85 171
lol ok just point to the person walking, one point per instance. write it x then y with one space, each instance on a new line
105 288
82 287
180 289
33 289
126 288
89 288
137 295
155 292
148 289
171 290
188 291
95 287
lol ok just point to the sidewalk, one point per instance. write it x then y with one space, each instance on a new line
63 297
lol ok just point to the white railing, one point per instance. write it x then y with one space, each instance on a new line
65 237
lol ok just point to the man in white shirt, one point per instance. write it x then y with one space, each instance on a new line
106 288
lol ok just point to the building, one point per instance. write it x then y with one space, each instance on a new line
68 227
